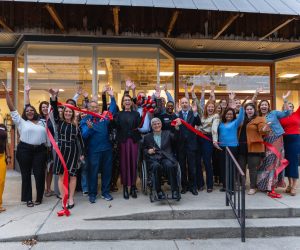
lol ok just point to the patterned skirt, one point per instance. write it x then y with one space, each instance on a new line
266 178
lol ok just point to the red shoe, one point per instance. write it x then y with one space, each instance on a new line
274 195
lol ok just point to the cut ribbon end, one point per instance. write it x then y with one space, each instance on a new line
63 212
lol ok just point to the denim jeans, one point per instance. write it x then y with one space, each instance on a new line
204 153
99 161
84 178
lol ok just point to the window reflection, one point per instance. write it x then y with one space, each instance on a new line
288 78
63 67
241 79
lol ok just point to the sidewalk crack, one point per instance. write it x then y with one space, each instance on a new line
45 220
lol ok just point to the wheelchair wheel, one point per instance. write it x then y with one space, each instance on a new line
144 178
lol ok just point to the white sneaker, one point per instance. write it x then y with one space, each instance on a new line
252 191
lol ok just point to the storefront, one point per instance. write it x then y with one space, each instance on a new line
67 46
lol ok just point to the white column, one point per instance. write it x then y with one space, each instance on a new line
158 66
95 73
25 68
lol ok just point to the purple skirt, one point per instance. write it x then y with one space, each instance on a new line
128 162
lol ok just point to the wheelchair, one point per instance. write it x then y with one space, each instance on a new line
147 179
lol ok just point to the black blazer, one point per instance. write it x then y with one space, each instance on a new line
187 138
167 139
127 124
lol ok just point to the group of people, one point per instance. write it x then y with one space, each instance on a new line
111 142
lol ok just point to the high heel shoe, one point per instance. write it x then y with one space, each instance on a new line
133 192
125 192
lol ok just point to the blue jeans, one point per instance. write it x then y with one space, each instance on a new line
84 178
99 161
204 153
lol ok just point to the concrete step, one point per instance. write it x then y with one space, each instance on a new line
168 229
203 214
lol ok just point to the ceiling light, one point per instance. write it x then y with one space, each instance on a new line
231 74
100 72
29 70
61 90
288 75
199 46
166 73
261 48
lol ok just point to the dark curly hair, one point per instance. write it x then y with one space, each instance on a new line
225 112
35 116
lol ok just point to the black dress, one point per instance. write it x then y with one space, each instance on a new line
70 144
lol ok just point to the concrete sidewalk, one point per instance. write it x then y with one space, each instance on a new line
141 219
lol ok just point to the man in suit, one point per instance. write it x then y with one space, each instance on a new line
160 158
187 146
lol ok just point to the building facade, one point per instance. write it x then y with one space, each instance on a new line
237 45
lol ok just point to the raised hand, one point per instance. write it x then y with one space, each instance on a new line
104 89
128 84
110 92
79 90
4 86
85 94
157 91
231 96
185 86
285 96
165 87
193 88
178 107
53 92
133 86
259 90
27 88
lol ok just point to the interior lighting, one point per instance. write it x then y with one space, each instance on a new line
29 70
231 74
61 90
288 75
166 73
100 72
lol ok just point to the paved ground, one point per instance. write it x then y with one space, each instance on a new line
286 243
20 221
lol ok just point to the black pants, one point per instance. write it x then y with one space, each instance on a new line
164 167
32 158
115 166
234 151
253 161
187 160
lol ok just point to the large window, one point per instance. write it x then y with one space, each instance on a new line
288 78
242 79
64 67
67 67
140 64
6 76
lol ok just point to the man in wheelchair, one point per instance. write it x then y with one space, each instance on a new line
160 159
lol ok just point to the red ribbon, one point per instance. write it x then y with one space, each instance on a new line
191 128
283 162
105 115
65 211
147 107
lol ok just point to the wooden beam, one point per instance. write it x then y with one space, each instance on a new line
228 22
116 19
172 22
55 17
277 28
5 26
